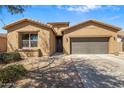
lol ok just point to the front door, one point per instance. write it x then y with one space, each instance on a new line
59 47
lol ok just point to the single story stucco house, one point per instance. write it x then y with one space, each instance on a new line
33 38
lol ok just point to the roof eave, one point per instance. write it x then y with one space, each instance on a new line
25 19
114 27
22 20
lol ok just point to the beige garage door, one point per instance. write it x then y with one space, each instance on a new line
94 45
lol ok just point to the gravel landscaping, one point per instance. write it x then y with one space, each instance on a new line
50 73
73 71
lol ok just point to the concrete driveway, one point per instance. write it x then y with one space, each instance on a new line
99 71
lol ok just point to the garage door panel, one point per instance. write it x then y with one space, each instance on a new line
77 47
89 45
90 39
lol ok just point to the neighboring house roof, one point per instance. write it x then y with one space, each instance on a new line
121 33
93 21
2 35
28 20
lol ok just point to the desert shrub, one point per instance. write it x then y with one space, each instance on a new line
12 73
9 57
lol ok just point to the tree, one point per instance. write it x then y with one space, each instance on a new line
14 9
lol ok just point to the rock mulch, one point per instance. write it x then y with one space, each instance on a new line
53 72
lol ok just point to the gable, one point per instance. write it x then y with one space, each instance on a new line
27 24
91 23
90 30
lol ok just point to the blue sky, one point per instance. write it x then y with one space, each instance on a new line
73 14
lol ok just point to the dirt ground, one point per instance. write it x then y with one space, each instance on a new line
52 72
73 71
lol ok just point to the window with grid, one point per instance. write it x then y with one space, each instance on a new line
29 40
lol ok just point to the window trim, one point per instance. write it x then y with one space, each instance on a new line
29 41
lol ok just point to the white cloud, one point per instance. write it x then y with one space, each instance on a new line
83 8
88 8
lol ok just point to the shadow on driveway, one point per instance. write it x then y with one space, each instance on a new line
94 78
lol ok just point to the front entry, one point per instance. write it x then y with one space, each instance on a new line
59 47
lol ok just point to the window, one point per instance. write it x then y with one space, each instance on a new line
29 40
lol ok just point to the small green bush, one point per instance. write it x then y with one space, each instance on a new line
9 57
12 73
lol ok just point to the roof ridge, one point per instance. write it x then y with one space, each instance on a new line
93 20
38 21
29 19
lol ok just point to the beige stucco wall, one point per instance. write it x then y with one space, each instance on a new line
29 53
120 46
14 33
3 44
91 30
59 30
52 43
121 41
47 38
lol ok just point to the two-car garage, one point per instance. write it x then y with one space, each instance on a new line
91 45
90 37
